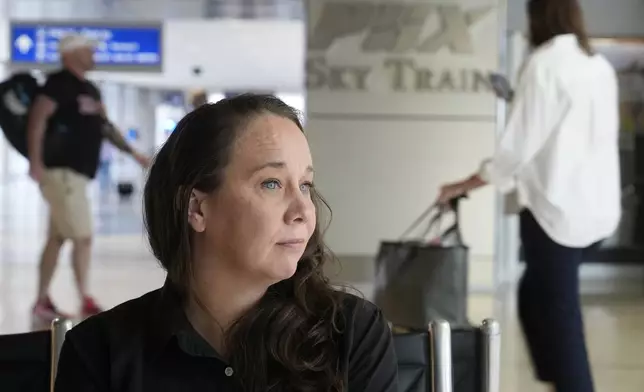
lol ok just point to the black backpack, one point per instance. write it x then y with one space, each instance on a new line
17 94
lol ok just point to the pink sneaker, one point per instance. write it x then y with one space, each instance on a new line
44 312
89 308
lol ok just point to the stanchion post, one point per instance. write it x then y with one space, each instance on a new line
491 355
59 327
441 355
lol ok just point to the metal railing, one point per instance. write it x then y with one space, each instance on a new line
441 336
427 360
59 328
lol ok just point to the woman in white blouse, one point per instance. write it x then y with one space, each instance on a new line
559 152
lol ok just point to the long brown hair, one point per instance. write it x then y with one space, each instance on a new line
549 18
287 342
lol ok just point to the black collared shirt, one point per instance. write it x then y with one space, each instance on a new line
148 345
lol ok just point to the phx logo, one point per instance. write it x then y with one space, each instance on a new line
394 27
400 31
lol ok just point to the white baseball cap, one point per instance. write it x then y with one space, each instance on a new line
71 42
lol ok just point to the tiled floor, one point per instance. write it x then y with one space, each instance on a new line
123 269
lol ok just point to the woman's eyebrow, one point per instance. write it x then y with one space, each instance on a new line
272 164
278 165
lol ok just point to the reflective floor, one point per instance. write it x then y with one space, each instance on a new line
123 269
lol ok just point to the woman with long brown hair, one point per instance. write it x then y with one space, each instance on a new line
559 151
231 214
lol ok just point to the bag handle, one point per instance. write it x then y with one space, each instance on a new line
455 229
436 220
419 220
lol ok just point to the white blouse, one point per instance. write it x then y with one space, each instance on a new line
560 147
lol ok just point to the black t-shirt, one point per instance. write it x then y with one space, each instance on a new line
78 122
148 345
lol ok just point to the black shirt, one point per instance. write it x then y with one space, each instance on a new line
78 122
148 344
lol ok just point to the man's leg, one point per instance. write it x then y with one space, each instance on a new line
53 191
80 231
48 263
81 253
44 311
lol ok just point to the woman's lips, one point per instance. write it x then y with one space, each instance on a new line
294 243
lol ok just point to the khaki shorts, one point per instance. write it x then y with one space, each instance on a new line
70 214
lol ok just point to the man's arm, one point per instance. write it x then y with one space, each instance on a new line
42 108
115 137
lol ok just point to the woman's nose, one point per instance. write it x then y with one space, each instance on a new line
300 208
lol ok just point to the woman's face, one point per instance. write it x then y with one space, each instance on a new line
260 219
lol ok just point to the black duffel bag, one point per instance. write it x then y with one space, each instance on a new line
418 281
17 94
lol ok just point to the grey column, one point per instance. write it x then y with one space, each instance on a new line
398 103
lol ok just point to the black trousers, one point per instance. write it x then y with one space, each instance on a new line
550 309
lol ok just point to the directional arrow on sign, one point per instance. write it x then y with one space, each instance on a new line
24 43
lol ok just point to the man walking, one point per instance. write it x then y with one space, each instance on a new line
73 105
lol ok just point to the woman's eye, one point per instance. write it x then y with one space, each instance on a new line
271 184
306 187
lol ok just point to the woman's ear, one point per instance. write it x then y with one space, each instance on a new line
196 213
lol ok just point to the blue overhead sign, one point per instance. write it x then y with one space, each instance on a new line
126 47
